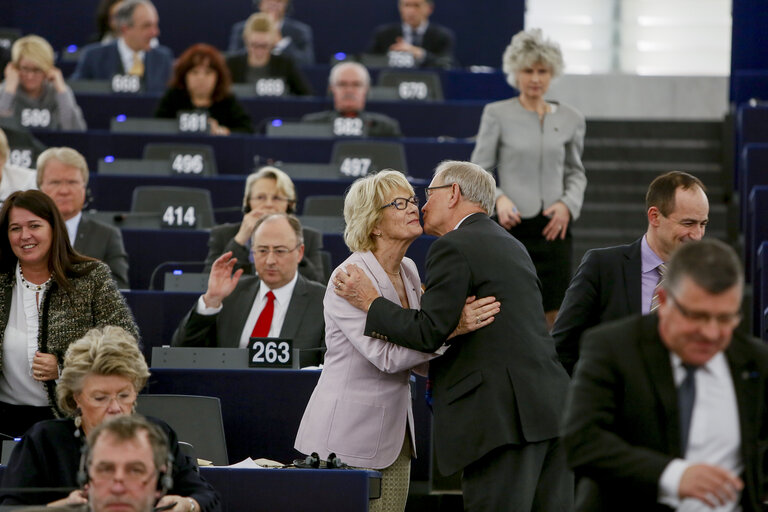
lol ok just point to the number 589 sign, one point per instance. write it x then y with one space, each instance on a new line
270 353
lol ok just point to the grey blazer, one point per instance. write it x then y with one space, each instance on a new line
105 243
537 163
303 323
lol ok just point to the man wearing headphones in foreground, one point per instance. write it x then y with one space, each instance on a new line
124 467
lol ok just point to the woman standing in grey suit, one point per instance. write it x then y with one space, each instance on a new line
535 146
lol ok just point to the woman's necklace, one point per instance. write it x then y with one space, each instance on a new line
32 286
395 274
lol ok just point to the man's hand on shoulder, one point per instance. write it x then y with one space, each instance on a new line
351 284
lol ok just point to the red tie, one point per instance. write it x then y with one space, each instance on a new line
261 329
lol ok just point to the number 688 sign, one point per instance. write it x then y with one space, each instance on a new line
270 353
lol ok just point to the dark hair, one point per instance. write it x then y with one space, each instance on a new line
661 192
126 428
206 54
710 263
62 256
102 18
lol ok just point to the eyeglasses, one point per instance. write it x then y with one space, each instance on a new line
124 398
702 318
30 70
259 46
401 203
263 251
263 198
428 190
135 475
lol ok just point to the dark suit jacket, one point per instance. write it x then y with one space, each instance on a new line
438 42
376 125
501 384
303 323
301 48
227 111
105 243
607 286
621 425
101 62
279 66
222 239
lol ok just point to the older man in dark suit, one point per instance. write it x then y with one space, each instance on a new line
499 391
279 303
430 44
132 53
668 411
62 174
615 282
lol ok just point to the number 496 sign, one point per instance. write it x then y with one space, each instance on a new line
270 353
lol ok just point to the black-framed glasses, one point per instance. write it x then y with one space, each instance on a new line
401 203
428 190
263 198
703 318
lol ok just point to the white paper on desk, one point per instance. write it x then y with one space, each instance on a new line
245 463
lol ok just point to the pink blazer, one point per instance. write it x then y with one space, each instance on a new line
362 401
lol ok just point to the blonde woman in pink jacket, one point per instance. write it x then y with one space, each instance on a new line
361 407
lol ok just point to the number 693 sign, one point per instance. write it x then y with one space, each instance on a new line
270 353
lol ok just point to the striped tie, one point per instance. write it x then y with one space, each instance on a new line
662 268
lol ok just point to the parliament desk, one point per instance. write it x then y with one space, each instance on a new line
262 409
239 154
332 490
269 490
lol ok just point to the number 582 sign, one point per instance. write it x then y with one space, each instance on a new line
270 353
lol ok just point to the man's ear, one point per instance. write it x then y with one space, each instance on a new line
654 215
455 195
300 252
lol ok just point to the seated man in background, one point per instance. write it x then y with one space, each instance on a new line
126 466
62 174
235 308
430 44
132 53
12 177
349 83
295 39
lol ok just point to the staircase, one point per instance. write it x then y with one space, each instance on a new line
623 157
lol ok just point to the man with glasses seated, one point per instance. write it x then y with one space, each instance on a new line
615 282
277 303
349 83
667 411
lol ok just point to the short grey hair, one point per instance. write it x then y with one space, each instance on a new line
124 13
477 185
709 263
362 206
292 220
66 156
284 185
341 66
529 47
110 350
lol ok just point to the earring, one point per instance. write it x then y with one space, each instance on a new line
78 421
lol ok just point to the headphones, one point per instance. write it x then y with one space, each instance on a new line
313 462
164 481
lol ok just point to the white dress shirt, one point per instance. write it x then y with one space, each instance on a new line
19 346
282 300
72 225
126 55
715 436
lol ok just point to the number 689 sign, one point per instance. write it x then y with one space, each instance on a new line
270 353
